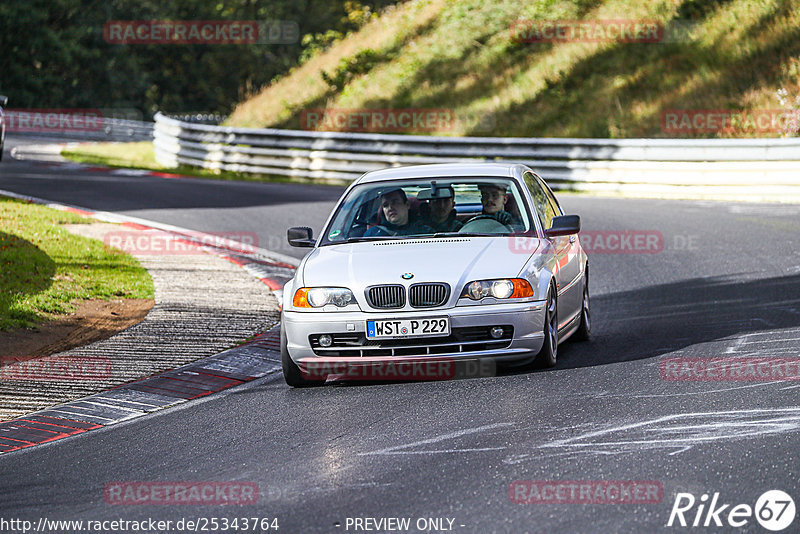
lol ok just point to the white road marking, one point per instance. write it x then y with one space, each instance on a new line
130 172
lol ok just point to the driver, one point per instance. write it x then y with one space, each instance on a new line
442 216
494 198
394 205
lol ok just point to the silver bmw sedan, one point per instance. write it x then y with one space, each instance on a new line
435 263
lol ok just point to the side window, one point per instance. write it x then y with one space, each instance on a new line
544 208
553 202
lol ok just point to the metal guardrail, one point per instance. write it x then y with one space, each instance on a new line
764 168
106 129
116 129
198 118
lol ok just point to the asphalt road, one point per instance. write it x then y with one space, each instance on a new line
724 282
265 209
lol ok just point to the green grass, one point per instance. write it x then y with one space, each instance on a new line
461 56
46 271
140 155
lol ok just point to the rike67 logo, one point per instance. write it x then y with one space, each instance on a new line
774 510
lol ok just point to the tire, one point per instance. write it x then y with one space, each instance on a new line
291 372
584 329
548 355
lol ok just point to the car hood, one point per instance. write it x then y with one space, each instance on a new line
452 260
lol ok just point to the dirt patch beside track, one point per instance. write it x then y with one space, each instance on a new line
92 321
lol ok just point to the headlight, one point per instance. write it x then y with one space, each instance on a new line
317 297
504 288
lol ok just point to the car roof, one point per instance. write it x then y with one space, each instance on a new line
504 170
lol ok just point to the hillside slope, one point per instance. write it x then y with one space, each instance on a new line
463 56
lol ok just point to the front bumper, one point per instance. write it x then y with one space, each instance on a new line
526 320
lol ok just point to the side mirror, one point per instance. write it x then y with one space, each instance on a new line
300 236
3 101
564 225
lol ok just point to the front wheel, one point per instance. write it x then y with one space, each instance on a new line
548 355
291 372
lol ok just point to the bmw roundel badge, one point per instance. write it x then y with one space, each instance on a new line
407 276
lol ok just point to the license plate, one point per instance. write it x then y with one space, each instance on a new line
393 328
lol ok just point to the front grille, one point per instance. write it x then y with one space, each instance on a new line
428 295
390 296
462 339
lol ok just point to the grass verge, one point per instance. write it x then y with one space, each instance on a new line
45 270
140 155
727 55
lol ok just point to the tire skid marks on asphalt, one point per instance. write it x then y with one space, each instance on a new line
675 433
691 393
737 343
770 343
764 343
401 449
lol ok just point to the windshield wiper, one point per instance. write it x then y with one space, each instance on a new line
464 234
418 236
367 238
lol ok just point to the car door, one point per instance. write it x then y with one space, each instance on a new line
546 210
569 259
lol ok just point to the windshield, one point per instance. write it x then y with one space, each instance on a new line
428 207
